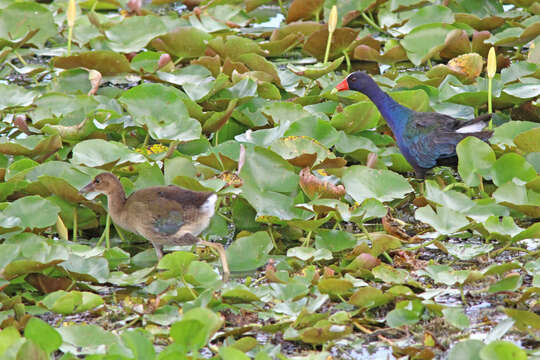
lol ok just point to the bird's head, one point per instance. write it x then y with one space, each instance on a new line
358 81
103 183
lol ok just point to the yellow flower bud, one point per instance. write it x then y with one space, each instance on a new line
71 13
332 19
491 63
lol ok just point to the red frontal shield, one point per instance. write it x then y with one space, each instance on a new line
344 85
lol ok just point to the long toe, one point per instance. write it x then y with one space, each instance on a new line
222 256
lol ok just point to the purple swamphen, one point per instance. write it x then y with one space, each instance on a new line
425 139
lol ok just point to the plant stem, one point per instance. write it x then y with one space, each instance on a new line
462 295
147 137
328 43
119 233
481 185
70 35
108 231
371 22
272 236
347 60
490 108
456 185
21 59
75 223
282 8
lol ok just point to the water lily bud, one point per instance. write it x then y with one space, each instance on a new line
332 19
71 13
491 63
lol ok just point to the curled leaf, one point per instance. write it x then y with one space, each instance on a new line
317 188
95 79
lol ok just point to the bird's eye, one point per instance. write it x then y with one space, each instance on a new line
97 181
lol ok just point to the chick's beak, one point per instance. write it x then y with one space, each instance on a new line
88 188
344 85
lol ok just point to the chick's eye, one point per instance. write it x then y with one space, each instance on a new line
97 181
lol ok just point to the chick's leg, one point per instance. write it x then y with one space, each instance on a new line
222 256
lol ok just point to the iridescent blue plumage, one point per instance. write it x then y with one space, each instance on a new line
425 139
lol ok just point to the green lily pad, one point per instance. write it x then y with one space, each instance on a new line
42 334
12 95
134 33
334 240
234 46
390 274
510 283
425 41
499 350
324 331
101 153
474 156
363 183
72 302
31 146
505 134
84 338
526 141
278 47
239 295
508 167
369 297
34 212
161 110
191 334
466 349
334 286
452 199
20 18
249 252
317 70
445 220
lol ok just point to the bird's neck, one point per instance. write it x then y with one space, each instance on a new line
395 114
116 200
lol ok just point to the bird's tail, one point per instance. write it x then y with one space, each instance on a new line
475 126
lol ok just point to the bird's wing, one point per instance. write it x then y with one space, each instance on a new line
163 211
429 120
427 148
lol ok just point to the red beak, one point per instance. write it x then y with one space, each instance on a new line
344 85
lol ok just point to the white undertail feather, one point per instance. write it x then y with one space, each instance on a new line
476 127
209 206
207 211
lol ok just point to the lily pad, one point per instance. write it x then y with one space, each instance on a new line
134 33
160 108
183 42
363 183
104 61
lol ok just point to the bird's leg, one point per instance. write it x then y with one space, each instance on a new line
157 247
421 176
222 256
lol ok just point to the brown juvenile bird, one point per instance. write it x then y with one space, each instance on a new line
165 215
